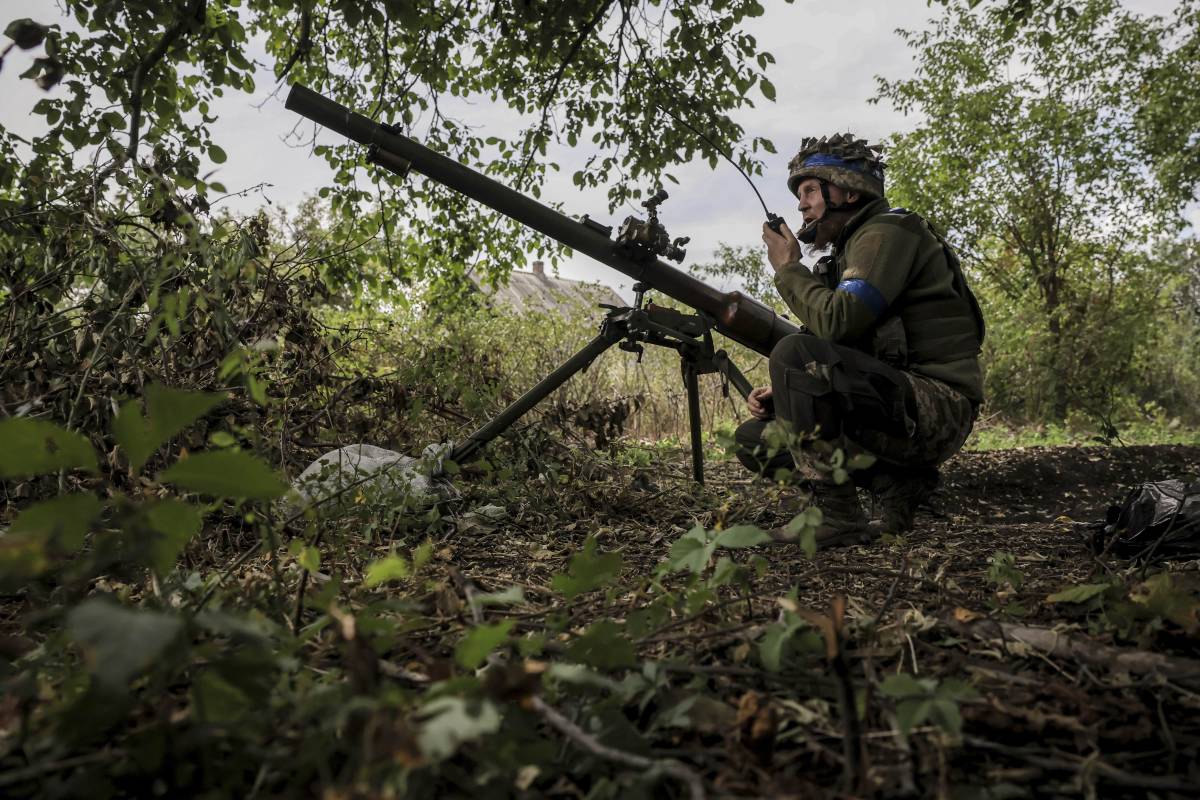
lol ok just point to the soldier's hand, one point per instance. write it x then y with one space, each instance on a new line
761 403
782 247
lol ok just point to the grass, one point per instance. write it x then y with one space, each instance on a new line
1005 436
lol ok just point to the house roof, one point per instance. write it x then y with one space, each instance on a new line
536 290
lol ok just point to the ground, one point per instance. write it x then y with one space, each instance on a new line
1056 698
585 624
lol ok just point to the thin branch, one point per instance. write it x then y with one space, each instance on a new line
586 741
149 62
302 47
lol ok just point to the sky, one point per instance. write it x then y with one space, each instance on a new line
827 58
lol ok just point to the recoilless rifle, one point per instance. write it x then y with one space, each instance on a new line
636 251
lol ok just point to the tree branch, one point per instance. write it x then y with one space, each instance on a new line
585 740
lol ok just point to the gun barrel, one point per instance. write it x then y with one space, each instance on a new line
739 317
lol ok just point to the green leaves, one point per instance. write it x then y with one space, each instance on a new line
603 646
692 551
589 570
742 536
927 699
391 568
169 411
119 643
25 33
44 530
1002 569
1078 594
451 721
31 447
791 634
474 648
173 524
226 473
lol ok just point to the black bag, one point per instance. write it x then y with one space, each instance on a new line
1156 521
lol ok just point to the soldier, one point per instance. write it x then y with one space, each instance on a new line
889 362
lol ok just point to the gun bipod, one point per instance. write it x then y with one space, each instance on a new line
688 334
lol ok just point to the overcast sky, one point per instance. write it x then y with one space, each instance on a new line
828 55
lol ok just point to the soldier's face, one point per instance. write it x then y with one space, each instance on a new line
812 204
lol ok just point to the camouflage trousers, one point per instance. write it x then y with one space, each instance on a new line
843 398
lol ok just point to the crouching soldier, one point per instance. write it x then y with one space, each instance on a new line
889 364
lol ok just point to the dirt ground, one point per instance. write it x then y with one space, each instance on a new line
1069 699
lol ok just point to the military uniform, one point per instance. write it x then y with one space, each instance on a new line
890 364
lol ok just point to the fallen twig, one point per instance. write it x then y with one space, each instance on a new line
1070 763
1115 659
583 739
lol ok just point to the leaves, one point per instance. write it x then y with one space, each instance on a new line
174 523
226 473
46 529
1078 594
391 568
692 551
120 643
588 570
927 699
26 33
1002 570
169 411
31 447
602 646
451 721
742 536
473 649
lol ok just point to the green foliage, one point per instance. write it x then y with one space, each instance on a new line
226 473
693 551
452 721
1045 136
174 524
603 646
921 700
589 571
44 530
474 648
120 643
392 568
1078 594
30 447
792 634
141 80
169 412
1003 571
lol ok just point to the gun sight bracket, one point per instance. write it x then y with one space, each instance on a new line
648 239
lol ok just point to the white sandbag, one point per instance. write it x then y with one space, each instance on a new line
369 469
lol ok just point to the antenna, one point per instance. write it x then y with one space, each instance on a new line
774 221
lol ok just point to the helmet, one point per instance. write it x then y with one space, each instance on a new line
841 160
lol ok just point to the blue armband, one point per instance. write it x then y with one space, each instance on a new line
871 297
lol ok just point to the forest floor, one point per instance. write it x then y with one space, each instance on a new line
583 624
1096 693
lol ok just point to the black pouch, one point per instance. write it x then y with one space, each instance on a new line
1156 521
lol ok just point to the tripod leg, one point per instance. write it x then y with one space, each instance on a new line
732 373
692 383
467 449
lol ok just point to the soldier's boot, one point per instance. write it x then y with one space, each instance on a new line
899 494
842 519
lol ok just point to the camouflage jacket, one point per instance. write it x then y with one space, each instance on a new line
894 289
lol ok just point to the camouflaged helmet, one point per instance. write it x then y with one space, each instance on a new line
841 160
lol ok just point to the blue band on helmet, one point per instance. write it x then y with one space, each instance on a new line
826 160
871 297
